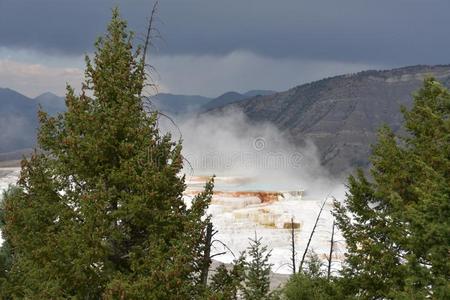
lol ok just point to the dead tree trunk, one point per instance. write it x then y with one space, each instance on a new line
311 236
293 246
150 29
330 257
207 254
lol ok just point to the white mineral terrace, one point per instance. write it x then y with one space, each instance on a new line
242 207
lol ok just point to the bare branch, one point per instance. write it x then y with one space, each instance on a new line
223 244
282 265
149 30
330 256
293 246
217 254
312 234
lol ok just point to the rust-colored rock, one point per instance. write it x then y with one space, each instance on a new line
268 197
289 225
265 197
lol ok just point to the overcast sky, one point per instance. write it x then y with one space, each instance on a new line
213 46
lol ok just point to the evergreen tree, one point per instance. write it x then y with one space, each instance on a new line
396 225
226 284
5 249
304 286
311 284
98 213
257 272
248 278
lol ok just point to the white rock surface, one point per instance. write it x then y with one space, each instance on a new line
238 217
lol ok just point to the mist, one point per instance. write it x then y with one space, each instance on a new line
227 144
16 133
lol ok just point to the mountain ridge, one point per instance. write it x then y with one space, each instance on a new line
19 122
341 114
186 105
232 96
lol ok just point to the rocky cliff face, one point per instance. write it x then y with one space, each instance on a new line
341 115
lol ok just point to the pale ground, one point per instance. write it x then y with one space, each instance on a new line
239 214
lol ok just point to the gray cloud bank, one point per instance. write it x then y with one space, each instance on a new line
212 75
377 32
208 75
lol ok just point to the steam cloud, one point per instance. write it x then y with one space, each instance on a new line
228 144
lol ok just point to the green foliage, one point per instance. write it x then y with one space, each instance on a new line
303 286
5 249
311 283
397 225
257 272
314 267
226 284
99 212
248 278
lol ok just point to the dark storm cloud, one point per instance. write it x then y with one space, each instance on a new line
381 31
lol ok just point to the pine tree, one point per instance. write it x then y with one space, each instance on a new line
99 210
257 272
304 286
5 249
311 283
396 224
226 284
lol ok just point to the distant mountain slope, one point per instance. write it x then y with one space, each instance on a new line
18 119
51 103
341 115
254 93
231 97
18 114
178 104
184 105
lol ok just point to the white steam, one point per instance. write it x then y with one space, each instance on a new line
229 145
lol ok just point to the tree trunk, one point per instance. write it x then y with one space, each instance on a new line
331 251
293 246
207 255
